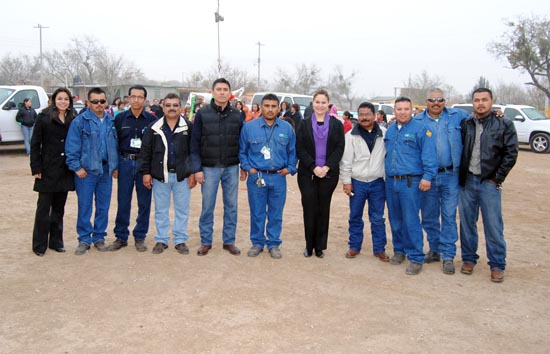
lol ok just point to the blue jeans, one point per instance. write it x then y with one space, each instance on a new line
100 187
229 177
403 208
182 194
27 136
472 197
266 202
441 200
375 193
128 177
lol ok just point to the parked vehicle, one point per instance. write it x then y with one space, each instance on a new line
387 108
11 97
532 126
290 98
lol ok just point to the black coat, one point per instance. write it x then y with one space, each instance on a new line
499 148
48 155
305 147
26 116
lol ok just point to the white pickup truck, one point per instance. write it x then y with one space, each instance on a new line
11 98
532 126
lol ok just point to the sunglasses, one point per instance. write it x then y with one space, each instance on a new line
439 99
98 101
168 105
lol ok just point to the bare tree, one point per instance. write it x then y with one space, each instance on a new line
418 87
19 70
304 80
526 47
340 86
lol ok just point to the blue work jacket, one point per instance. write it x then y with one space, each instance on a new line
410 151
82 147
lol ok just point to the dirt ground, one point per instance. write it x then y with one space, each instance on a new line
130 302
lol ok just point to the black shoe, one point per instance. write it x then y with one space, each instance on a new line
432 257
307 253
319 254
117 244
58 249
39 254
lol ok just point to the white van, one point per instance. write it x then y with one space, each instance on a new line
11 97
290 98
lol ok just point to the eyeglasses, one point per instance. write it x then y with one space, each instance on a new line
175 105
137 98
438 99
98 101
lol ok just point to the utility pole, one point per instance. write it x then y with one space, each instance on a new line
40 27
219 19
259 45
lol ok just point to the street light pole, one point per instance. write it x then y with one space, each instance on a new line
219 19
40 27
259 44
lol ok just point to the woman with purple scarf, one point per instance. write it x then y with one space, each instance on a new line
320 145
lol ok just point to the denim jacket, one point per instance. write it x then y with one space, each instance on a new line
450 120
82 145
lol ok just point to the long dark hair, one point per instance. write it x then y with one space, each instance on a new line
54 113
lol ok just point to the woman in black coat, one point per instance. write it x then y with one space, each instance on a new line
320 145
53 179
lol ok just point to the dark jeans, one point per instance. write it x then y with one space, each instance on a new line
50 209
316 198
128 177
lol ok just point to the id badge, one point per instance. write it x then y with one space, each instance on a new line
266 152
135 143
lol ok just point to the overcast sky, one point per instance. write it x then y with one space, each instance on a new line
384 41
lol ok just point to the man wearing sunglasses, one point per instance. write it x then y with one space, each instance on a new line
92 153
441 201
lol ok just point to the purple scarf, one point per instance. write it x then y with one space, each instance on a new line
320 137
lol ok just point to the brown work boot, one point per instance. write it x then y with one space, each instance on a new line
382 256
467 268
234 250
352 253
497 275
203 250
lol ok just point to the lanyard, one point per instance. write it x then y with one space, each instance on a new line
272 128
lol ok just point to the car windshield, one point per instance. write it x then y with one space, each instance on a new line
302 101
534 114
5 93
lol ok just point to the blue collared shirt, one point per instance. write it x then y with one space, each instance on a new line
129 127
279 140
410 150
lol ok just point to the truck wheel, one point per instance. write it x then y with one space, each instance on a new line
540 142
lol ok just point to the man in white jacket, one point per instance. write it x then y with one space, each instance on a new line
362 175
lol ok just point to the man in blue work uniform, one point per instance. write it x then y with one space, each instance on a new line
411 165
442 198
91 149
267 153
130 126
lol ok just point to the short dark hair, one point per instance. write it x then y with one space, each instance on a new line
366 105
138 87
296 106
221 80
403 99
482 89
96 91
172 96
26 100
270 97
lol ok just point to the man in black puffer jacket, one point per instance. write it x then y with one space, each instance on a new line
215 158
490 151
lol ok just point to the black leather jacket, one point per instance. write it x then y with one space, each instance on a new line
499 148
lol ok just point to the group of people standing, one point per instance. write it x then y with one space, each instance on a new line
415 166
